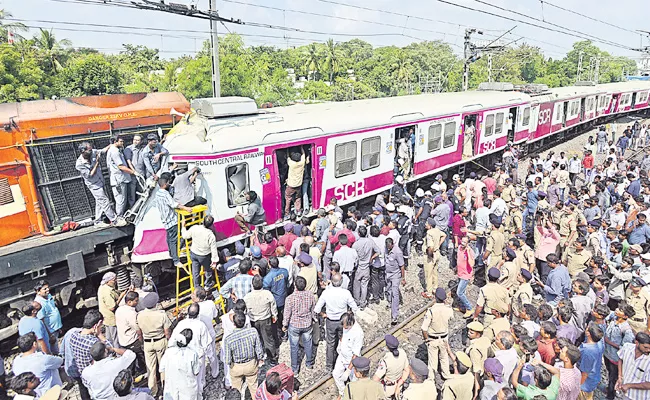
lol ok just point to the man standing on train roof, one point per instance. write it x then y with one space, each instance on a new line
120 175
152 155
296 162
90 169
167 208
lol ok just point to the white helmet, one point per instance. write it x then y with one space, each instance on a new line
419 192
390 207
403 209
399 179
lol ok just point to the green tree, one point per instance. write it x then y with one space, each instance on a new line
15 27
89 75
20 77
195 81
51 49
312 61
332 59
316 90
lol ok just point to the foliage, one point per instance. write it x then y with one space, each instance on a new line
19 76
89 75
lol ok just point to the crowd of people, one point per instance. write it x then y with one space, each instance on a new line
551 285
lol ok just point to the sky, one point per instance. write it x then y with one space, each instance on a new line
399 22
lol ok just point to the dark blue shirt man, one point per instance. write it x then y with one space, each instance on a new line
277 281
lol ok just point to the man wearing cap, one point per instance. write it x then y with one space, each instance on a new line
460 385
395 273
398 191
421 387
152 155
514 220
594 238
156 330
493 381
362 387
109 298
508 193
509 270
348 349
495 244
478 347
434 239
568 228
577 258
492 296
525 254
523 295
435 329
639 299
392 370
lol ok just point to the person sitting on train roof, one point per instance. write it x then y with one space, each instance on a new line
152 155
255 216
184 186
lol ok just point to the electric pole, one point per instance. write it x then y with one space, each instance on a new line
489 67
597 70
469 55
214 43
579 66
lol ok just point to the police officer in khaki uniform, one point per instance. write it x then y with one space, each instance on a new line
434 239
593 238
514 220
638 298
393 367
498 324
478 346
526 254
156 330
576 257
460 386
435 329
568 228
420 387
509 270
508 194
496 241
523 295
492 296
363 387
502 179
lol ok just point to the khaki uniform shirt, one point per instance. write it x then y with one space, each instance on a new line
391 368
563 179
107 298
152 323
434 239
593 244
478 352
436 319
498 325
556 216
261 305
543 205
311 276
459 387
509 194
568 224
528 257
509 273
421 391
501 181
523 295
363 389
496 242
576 262
641 304
493 296
127 326
514 221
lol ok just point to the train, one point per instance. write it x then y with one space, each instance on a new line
239 147
41 191
352 145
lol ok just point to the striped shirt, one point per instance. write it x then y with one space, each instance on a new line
635 370
80 345
242 346
167 208
298 309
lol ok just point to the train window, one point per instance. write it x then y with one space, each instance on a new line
345 159
526 119
238 184
558 114
370 151
489 125
498 127
450 134
435 137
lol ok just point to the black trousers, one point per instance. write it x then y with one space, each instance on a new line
377 283
140 365
197 201
264 328
612 377
333 333
83 390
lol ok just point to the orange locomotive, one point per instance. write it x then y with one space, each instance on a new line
40 189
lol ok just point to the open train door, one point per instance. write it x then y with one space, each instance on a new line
470 135
305 192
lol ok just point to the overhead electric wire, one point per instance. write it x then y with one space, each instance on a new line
569 31
587 16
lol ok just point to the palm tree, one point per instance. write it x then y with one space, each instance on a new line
332 58
402 68
52 49
312 60
6 26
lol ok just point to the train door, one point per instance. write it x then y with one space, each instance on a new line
298 196
614 103
512 123
565 110
633 100
405 149
582 109
470 135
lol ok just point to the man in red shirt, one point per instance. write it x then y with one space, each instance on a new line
465 259
588 164
546 342
287 239
490 184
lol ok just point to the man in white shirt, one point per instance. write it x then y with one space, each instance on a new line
336 301
207 313
506 354
349 348
203 251
499 206
200 339
99 376
346 256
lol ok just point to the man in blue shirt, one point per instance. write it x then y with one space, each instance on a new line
45 366
277 282
639 230
49 314
634 188
531 204
31 323
558 283
591 360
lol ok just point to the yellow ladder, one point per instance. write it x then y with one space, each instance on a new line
184 281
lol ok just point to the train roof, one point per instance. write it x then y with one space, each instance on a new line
306 121
64 116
